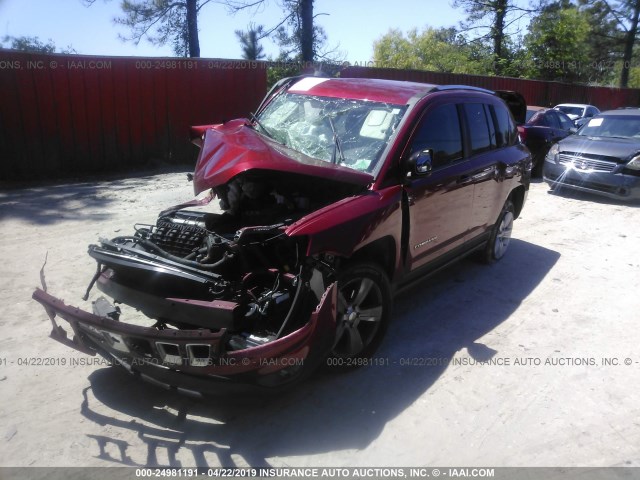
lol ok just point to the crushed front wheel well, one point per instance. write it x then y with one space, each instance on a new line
381 252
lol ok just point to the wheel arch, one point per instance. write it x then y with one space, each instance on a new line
517 196
381 252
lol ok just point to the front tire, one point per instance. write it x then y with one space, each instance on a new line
500 238
363 312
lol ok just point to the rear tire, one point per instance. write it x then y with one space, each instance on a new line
498 242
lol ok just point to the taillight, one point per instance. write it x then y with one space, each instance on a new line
523 134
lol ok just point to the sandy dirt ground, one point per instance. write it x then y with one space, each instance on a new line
533 361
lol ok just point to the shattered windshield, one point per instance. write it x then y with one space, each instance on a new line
351 133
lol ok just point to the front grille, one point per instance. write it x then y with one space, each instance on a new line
582 162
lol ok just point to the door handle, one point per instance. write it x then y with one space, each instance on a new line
478 176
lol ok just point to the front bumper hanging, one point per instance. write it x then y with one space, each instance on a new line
194 361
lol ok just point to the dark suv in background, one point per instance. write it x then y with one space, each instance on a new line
333 195
544 127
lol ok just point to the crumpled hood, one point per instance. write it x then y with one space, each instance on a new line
620 148
234 147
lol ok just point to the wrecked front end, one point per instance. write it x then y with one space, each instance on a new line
202 296
238 296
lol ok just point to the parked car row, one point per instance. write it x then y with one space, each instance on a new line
545 126
578 147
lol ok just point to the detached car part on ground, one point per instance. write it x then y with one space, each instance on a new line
336 193
603 158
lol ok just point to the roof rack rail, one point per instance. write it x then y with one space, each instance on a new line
440 88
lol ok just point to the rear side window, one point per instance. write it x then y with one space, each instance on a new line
565 122
440 132
538 120
506 134
492 127
552 119
479 135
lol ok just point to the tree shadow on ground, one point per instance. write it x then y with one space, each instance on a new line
47 204
329 412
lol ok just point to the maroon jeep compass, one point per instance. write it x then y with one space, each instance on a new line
334 194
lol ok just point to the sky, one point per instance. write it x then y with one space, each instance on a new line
351 25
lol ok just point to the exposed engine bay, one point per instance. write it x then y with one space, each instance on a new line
237 270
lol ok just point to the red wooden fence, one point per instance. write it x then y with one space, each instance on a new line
68 114
535 92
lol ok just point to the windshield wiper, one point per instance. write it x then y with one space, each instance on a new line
262 127
337 147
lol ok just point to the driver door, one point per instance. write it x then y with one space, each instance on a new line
440 200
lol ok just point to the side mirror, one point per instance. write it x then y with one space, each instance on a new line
421 163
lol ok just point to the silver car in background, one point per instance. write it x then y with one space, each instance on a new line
579 113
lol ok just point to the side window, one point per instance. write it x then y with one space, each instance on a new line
565 122
506 130
478 128
439 130
492 127
552 119
538 119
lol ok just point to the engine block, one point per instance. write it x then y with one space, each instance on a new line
180 233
